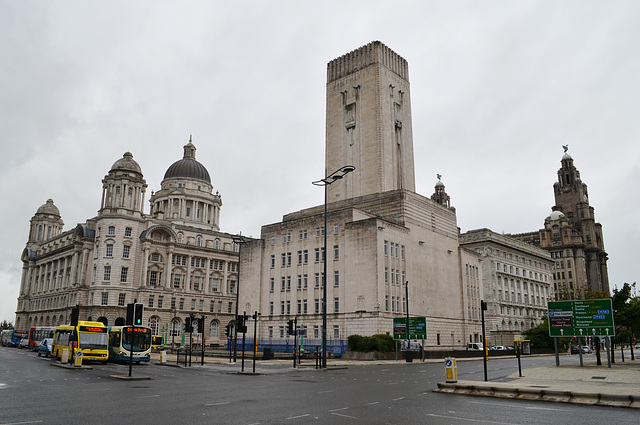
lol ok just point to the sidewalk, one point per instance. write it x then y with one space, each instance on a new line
617 386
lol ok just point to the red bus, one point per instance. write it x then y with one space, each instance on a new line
38 333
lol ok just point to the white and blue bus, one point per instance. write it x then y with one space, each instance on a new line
122 338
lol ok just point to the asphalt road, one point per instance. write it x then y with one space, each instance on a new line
32 391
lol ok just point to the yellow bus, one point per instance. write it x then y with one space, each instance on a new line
157 341
90 337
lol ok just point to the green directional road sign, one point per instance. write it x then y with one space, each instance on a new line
417 328
581 318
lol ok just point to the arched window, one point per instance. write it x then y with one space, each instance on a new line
216 243
175 327
214 329
154 324
198 240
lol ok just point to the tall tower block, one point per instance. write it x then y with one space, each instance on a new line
369 122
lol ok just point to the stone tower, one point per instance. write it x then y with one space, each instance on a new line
369 122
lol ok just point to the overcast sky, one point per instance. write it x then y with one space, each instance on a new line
497 87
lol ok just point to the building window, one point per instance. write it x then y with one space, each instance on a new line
316 306
282 307
214 329
316 331
386 248
336 252
127 231
124 272
336 331
107 273
173 303
153 278
336 278
306 256
270 332
281 331
273 261
160 301
121 299
271 285
181 305
151 300
198 240
336 305
284 259
304 307
109 250
193 304
299 257
125 251
270 308
111 230
201 305
212 307
105 298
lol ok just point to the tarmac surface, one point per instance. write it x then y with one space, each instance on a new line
617 386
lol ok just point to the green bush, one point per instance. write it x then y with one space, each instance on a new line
380 342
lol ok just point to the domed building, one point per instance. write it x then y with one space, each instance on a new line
174 260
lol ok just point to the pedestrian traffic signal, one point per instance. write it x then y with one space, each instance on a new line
138 309
188 326
290 330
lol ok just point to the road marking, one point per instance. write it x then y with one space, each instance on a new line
344 416
150 396
470 420
372 403
505 404
218 404
22 423
540 408
396 399
299 416
324 392
337 410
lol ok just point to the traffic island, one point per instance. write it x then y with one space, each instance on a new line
129 378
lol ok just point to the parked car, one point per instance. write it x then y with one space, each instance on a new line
24 343
44 348
500 348
475 346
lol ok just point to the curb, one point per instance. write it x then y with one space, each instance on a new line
541 394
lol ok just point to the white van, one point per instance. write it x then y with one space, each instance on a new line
475 346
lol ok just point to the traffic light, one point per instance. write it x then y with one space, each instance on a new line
290 330
229 330
75 313
129 314
138 309
188 326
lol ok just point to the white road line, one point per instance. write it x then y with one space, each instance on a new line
396 399
344 416
218 404
299 416
22 423
539 408
337 410
469 419
324 392
372 403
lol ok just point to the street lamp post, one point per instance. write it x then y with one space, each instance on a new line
240 241
329 179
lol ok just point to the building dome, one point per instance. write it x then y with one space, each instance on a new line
566 156
49 209
556 215
188 167
126 163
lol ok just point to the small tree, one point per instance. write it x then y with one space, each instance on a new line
539 336
6 325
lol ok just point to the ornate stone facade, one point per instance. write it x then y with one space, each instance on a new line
174 260
573 237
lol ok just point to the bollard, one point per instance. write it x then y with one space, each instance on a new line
451 369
